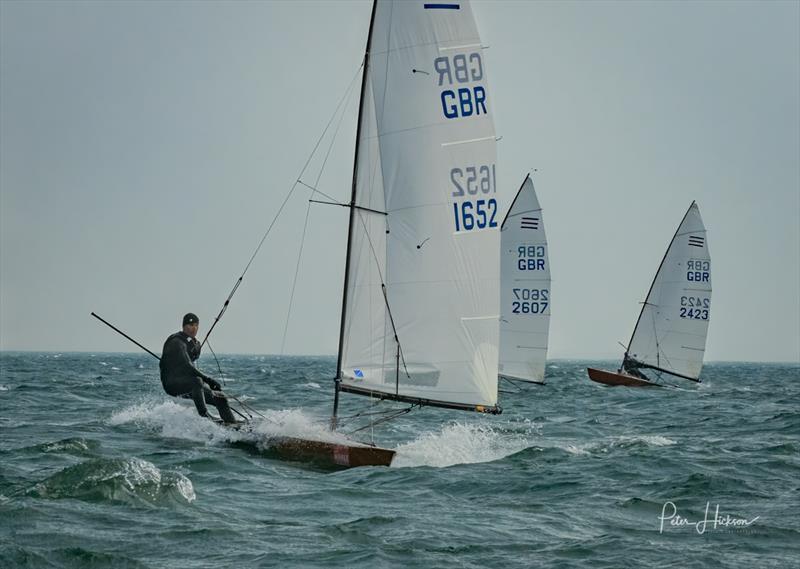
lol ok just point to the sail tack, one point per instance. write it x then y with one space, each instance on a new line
670 334
524 289
420 320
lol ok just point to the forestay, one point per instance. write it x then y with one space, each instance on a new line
670 334
426 157
524 289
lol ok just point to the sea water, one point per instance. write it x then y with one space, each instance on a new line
99 468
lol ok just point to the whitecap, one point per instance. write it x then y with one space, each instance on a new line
174 418
652 440
576 450
461 443
185 487
293 423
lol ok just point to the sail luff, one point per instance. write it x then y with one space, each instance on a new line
513 203
655 278
337 379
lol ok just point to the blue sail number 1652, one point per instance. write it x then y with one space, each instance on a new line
475 215
474 181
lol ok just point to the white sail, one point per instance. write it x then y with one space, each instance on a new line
426 169
670 334
524 289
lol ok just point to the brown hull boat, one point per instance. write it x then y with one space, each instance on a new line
617 379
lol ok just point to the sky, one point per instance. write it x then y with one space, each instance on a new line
145 148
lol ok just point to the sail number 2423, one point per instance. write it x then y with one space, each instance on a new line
478 182
694 307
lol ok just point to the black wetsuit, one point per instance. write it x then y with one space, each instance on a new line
181 379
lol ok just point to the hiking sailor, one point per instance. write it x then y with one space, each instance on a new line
181 378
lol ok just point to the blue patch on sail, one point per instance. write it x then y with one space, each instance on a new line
442 6
358 373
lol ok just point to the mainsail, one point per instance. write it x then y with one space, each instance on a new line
524 289
421 294
670 335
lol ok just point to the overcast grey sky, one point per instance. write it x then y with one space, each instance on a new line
146 146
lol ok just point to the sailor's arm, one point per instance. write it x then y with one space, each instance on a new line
187 361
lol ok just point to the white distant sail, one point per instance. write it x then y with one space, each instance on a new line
670 335
524 289
421 302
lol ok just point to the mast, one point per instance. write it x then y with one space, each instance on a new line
644 304
337 379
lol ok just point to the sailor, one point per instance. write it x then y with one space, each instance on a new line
181 378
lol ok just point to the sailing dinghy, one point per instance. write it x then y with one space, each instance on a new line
524 290
420 307
670 334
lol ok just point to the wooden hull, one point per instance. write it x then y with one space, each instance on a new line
330 454
319 453
618 379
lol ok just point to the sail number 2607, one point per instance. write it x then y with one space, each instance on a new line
480 182
530 300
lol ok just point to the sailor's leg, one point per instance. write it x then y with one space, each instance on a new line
197 392
220 403
187 387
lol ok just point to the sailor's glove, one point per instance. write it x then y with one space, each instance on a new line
213 384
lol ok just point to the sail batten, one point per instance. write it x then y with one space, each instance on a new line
426 157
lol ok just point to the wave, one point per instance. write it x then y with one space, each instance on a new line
172 419
612 443
180 420
74 445
456 443
130 480
463 443
28 556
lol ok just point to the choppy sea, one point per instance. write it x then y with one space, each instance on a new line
99 468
